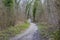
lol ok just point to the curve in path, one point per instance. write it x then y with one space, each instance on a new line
30 34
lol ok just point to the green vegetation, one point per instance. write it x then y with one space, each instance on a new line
43 29
34 9
42 26
56 35
8 3
12 31
12 12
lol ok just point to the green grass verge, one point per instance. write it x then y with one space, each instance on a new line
56 35
12 31
43 29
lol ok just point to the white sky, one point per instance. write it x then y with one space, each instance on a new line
21 2
42 1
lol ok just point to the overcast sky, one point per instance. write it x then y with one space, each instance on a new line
25 0
42 1
22 1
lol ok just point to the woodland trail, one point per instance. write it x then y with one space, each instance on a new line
30 34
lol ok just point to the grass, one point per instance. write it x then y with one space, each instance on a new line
43 29
12 31
41 26
56 35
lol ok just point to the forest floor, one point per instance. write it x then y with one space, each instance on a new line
30 34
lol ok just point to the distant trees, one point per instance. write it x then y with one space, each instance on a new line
57 6
17 10
9 4
34 9
37 11
28 8
51 16
48 14
1 15
11 13
7 13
